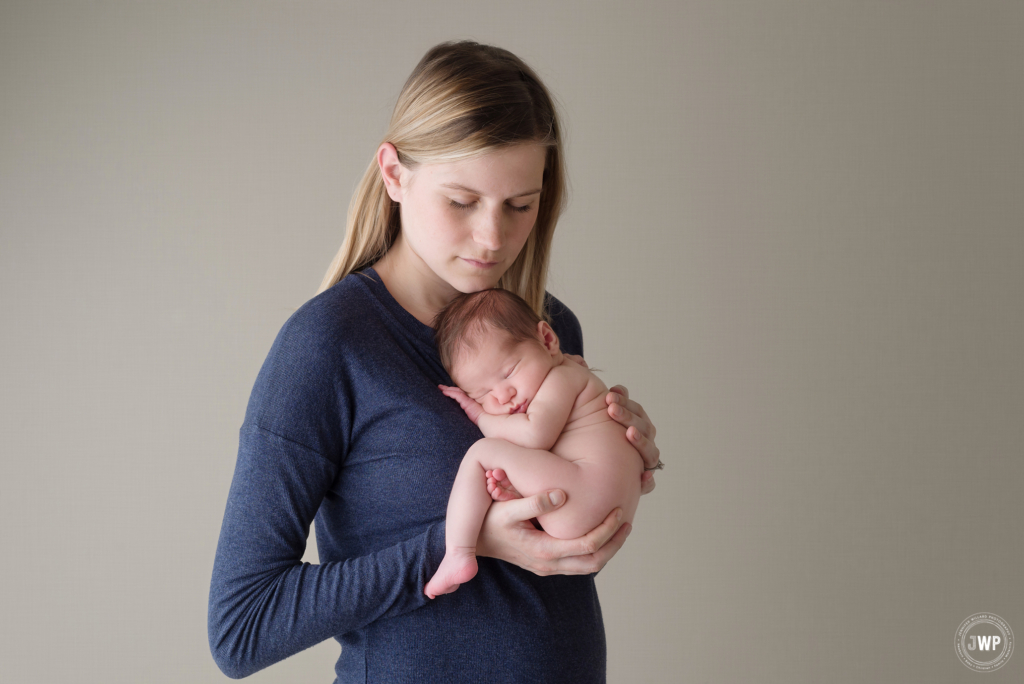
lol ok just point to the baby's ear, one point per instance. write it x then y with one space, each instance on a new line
547 337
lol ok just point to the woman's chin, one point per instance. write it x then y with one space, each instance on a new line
467 284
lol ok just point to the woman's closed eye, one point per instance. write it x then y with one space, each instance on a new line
520 210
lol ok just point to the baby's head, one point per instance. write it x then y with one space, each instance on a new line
496 349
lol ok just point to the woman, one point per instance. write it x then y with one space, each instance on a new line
345 422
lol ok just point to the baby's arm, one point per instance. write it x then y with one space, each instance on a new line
540 425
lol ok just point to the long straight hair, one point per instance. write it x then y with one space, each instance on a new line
462 100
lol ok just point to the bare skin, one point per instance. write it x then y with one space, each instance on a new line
546 425
433 259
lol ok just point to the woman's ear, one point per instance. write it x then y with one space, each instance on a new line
548 337
391 170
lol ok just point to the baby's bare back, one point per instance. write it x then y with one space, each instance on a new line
609 467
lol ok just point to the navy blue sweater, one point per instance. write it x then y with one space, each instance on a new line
346 424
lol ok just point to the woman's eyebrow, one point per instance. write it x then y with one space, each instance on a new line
457 186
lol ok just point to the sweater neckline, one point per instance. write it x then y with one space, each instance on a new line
415 327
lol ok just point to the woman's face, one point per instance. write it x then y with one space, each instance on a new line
464 222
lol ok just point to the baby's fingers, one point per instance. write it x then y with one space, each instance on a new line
454 393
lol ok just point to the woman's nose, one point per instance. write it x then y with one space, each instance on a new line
488 233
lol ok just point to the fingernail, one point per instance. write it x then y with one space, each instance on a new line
629 529
618 516
556 497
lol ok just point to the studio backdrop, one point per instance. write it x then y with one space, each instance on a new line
795 233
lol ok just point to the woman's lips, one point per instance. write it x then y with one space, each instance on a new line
480 264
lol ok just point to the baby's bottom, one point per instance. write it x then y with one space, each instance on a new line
531 471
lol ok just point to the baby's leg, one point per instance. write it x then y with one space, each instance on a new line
532 471
469 501
467 506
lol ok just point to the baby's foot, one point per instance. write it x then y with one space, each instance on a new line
499 487
458 567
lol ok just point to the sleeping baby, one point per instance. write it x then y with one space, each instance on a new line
545 423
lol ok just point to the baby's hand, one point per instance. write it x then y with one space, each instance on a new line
472 409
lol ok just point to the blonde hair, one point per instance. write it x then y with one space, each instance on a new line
462 100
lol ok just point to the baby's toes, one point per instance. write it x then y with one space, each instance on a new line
502 493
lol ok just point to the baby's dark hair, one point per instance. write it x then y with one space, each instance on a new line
468 315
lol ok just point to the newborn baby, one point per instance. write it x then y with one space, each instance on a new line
545 423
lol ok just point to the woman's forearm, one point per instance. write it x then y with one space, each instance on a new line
265 603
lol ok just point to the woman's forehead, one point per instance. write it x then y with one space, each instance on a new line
514 171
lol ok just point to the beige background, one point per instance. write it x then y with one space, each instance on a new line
795 234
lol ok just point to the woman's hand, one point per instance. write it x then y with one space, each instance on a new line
640 432
508 534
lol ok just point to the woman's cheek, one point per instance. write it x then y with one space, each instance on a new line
528 224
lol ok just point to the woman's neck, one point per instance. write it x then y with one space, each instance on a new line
411 282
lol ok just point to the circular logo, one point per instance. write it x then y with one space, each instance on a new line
984 642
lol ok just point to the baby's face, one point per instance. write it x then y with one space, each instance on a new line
502 375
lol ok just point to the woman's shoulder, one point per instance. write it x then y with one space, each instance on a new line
340 311
308 372
343 317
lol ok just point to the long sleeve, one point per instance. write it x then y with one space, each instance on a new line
346 427
265 604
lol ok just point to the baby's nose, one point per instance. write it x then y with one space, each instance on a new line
510 393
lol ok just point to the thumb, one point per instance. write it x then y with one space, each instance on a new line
536 505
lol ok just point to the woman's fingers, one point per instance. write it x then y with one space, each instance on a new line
639 429
597 538
593 562
628 412
646 483
521 510
512 538
556 550
585 554
649 451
